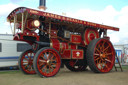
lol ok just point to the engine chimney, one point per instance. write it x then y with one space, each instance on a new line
42 5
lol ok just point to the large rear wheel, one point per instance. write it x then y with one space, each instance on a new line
26 62
47 62
100 55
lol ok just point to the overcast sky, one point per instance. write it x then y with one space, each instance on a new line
108 12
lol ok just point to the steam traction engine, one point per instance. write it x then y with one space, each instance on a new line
57 39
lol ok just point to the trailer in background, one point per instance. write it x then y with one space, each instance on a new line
119 55
10 51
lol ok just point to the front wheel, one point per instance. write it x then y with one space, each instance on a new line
100 55
47 62
26 62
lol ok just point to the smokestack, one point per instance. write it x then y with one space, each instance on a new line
42 5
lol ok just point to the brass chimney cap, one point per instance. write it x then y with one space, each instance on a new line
42 8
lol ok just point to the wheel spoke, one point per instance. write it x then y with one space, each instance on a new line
97 54
108 54
106 48
49 69
25 65
106 66
108 60
101 66
42 61
42 56
103 45
25 62
98 50
46 55
52 68
97 59
26 59
53 63
53 60
45 70
28 56
29 66
30 69
43 67
98 46
49 55
41 64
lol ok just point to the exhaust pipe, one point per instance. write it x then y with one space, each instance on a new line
42 5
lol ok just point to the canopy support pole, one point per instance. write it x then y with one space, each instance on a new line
22 26
49 28
15 20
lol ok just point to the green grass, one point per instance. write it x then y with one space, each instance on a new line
125 67
9 72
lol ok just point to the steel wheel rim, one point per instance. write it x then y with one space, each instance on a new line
104 55
27 62
48 62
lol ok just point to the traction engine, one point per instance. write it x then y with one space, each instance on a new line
58 39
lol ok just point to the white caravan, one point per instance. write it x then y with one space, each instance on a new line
10 50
